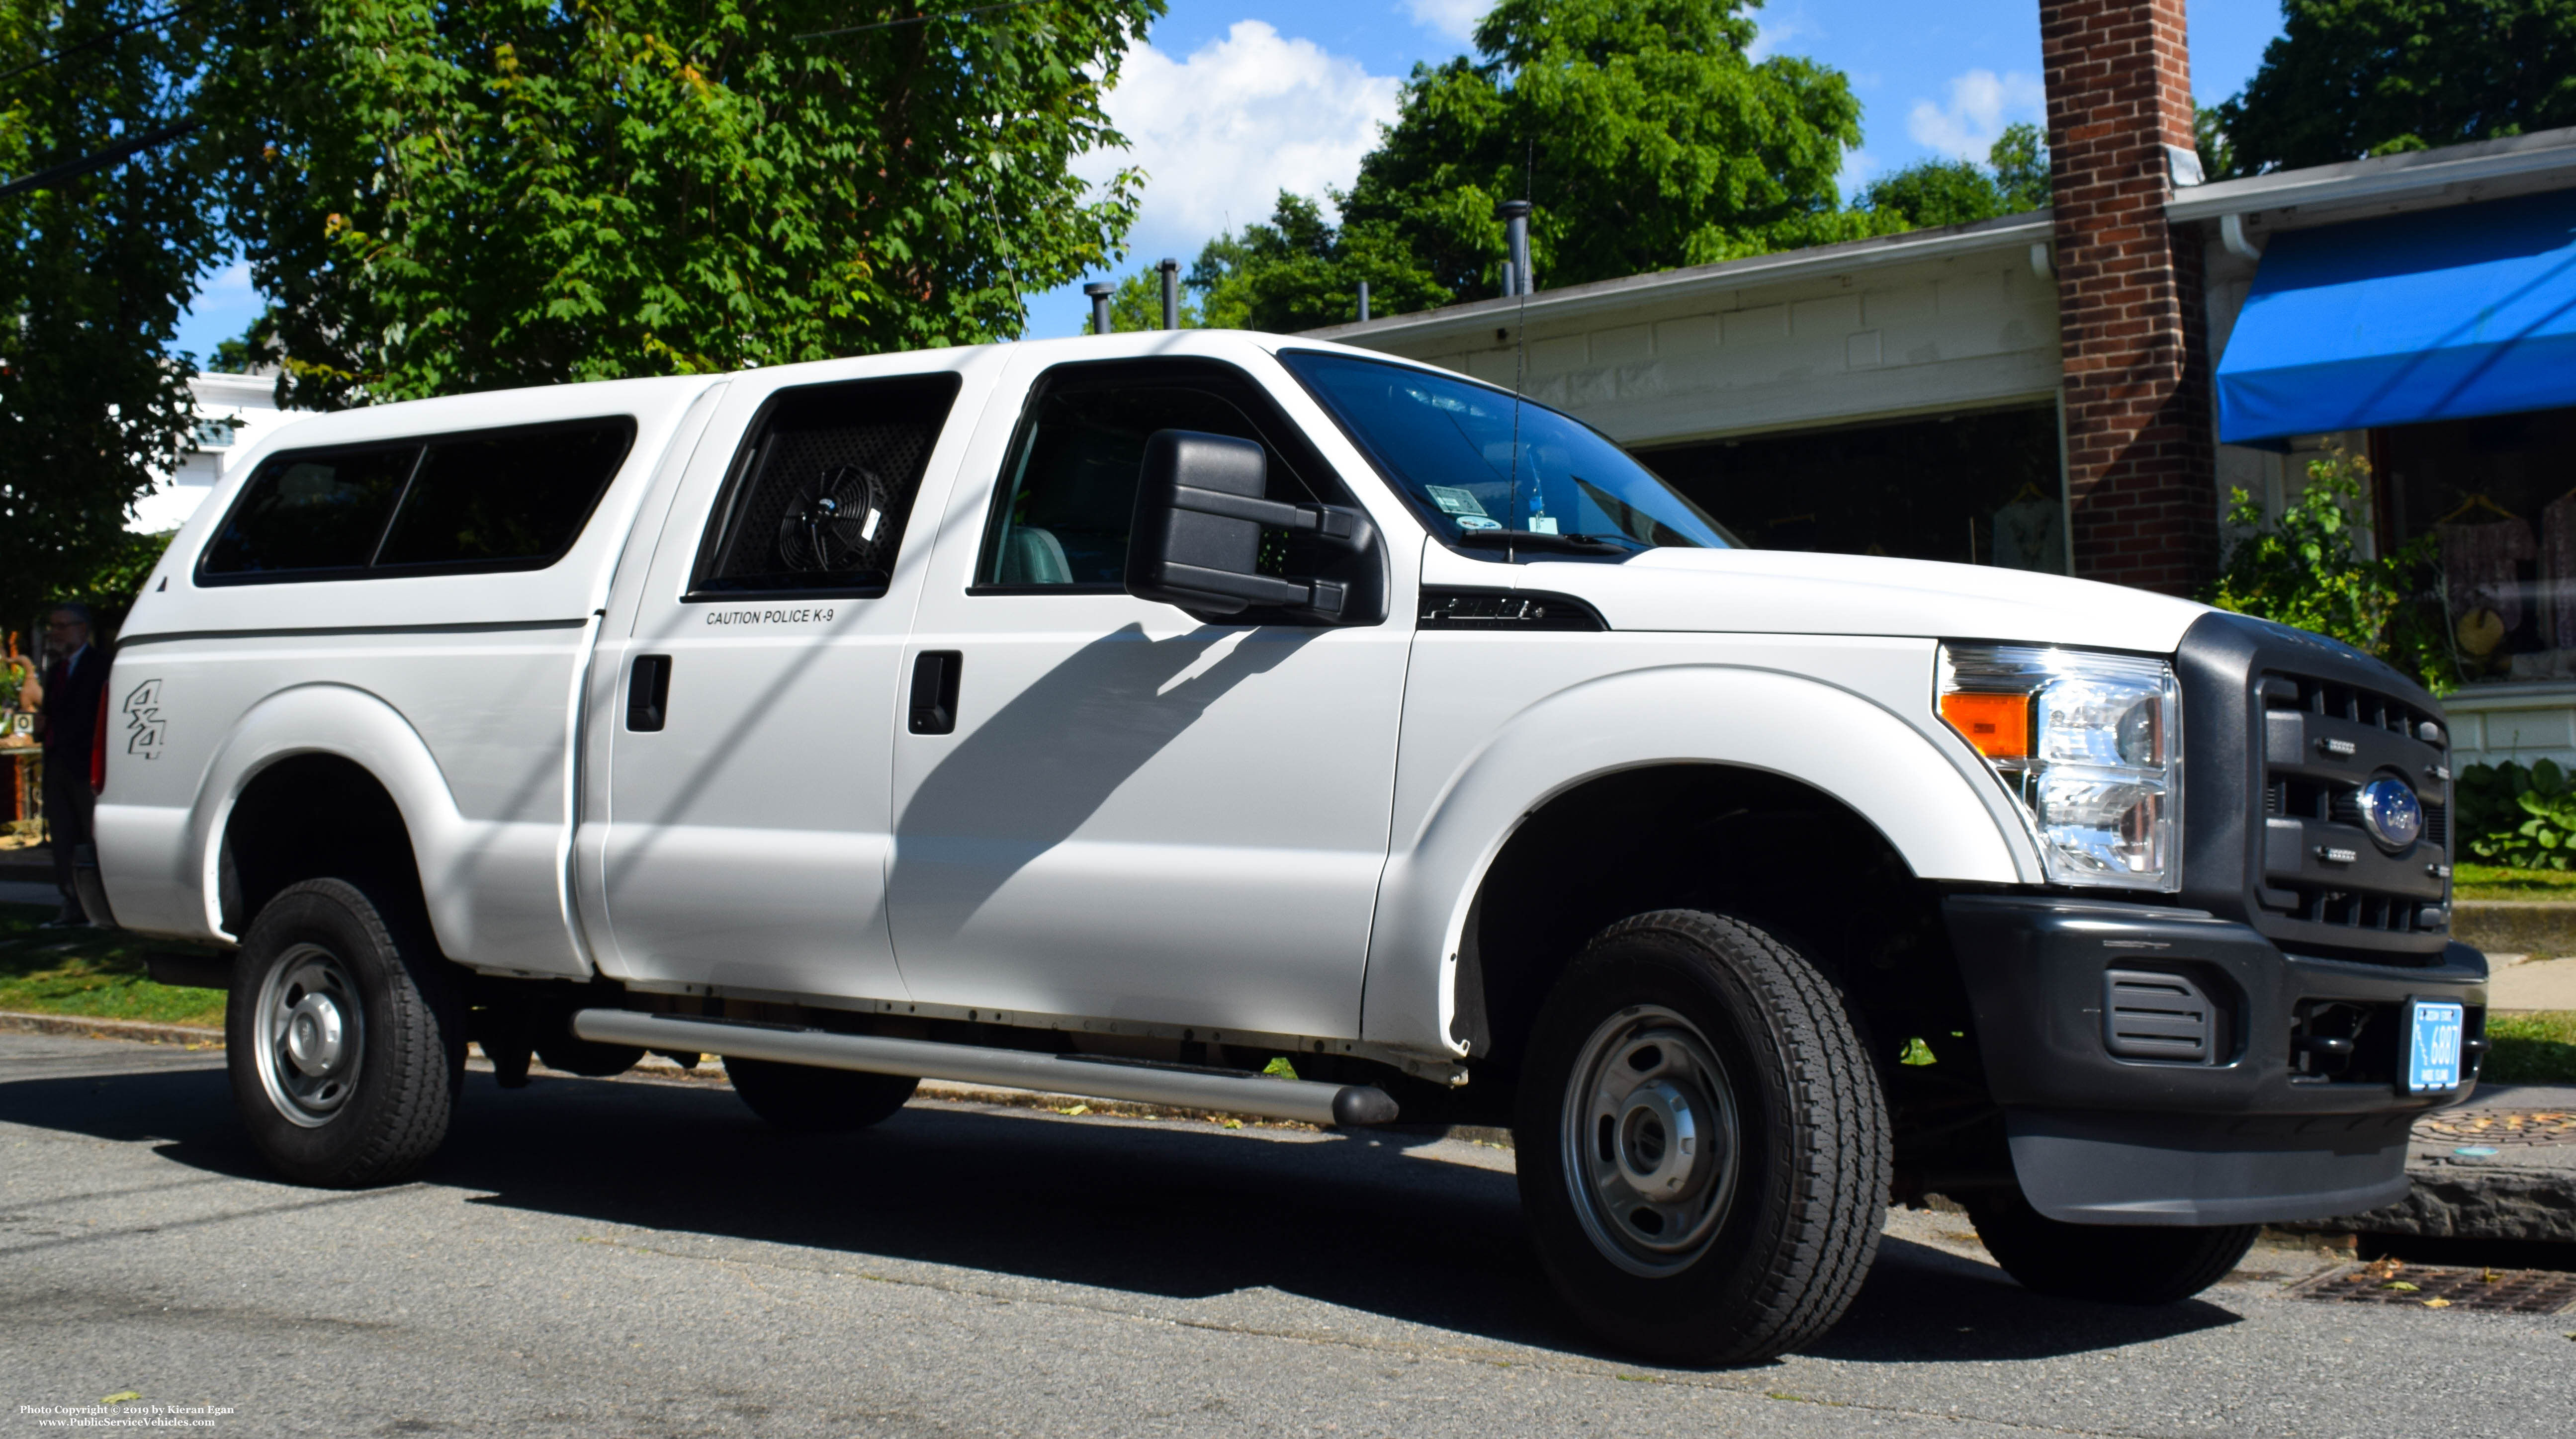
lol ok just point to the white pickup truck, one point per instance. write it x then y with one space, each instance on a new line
1121 716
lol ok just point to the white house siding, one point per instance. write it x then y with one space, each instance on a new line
250 403
1938 322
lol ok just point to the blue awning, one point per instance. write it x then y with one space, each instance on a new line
2437 315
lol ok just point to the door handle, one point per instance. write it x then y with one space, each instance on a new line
648 692
934 691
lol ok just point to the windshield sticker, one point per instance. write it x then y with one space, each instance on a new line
1478 522
1455 501
1542 524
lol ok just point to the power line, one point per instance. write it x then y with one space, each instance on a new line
914 20
110 157
93 42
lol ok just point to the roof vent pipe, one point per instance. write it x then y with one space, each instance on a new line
1171 272
1099 290
1515 217
1364 315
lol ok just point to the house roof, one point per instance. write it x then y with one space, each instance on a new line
2388 184
2011 232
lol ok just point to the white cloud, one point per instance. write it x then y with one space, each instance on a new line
1221 133
1453 18
1777 30
1981 105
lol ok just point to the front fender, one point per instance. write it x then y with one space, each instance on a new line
1925 800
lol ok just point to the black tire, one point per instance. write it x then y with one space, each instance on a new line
370 1001
808 1099
2108 1263
1786 1233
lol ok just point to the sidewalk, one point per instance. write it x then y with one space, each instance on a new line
2520 983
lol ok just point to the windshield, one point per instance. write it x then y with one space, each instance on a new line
1449 443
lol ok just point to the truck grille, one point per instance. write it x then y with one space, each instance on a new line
2321 869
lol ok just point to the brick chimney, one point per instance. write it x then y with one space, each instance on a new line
2140 452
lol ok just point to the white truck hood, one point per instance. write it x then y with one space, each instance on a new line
1793 592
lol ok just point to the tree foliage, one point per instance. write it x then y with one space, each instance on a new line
2349 78
94 272
1300 271
444 196
1642 131
2524 818
2306 569
2013 180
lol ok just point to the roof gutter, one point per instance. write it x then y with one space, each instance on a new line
2021 233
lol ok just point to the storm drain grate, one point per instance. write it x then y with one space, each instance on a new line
2432 1286
2499 1126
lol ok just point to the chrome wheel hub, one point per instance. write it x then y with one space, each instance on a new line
310 1035
1650 1141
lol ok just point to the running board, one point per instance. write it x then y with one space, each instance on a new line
1090 1076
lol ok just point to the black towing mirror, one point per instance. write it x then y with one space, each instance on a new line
1200 508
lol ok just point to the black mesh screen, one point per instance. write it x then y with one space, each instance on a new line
819 497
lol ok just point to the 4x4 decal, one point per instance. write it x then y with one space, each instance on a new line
143 720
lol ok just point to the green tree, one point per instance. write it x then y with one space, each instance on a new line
2306 569
1301 272
1642 131
2349 78
444 196
94 272
1955 192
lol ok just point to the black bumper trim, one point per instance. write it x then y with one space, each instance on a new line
2129 1168
2240 1138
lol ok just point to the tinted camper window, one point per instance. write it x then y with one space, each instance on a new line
505 496
509 499
320 510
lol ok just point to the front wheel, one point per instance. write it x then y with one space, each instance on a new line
1704 1148
2109 1263
343 1039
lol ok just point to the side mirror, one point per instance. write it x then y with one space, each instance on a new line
1200 508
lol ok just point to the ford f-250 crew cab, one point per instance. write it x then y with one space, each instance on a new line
1118 716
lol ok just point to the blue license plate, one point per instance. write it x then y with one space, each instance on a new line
2433 1031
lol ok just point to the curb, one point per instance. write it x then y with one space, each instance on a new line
2514 926
186 1036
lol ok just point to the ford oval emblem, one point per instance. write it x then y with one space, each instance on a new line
2390 812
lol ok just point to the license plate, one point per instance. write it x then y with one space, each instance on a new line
2433 1032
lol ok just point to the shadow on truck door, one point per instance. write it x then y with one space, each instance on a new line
1173 1212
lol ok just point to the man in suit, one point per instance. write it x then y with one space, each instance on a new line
67 699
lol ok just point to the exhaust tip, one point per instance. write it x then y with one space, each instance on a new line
1359 1105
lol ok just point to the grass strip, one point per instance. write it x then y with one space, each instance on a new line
2535 1046
93 973
2494 881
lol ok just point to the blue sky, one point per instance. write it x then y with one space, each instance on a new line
1232 100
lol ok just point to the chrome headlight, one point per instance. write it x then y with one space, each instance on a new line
2090 745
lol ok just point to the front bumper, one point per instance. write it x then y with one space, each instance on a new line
2254 1130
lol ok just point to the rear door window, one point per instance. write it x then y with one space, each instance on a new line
819 496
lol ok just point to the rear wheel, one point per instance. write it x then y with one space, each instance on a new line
2111 1263
343 1037
809 1099
1704 1154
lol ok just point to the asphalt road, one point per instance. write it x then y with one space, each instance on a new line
642 1258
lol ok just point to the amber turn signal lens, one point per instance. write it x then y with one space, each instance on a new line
1998 725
